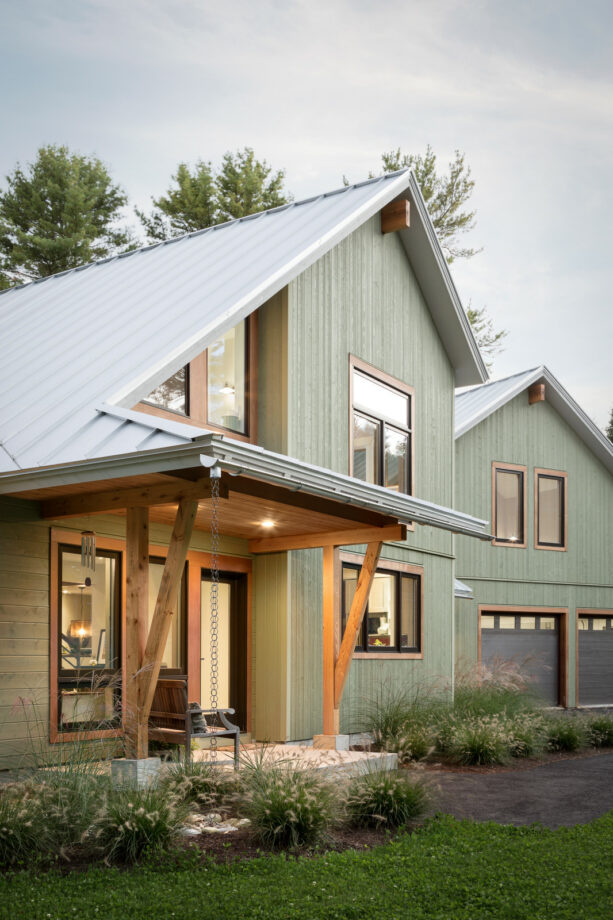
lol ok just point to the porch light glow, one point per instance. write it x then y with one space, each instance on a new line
267 523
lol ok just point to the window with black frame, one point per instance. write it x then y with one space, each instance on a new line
509 505
392 621
89 692
550 510
381 431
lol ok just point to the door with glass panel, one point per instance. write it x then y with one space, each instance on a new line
231 644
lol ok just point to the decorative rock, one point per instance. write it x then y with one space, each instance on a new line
212 818
190 832
243 822
218 829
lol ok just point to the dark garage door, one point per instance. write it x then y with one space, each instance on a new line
530 640
595 636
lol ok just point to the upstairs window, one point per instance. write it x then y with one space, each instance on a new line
509 504
550 509
217 389
381 428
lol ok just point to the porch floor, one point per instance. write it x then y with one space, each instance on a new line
302 756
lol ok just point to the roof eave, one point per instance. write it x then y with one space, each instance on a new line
248 459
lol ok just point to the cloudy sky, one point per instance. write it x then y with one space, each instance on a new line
322 87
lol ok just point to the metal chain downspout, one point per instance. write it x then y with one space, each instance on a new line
214 600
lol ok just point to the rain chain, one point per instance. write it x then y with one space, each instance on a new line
214 599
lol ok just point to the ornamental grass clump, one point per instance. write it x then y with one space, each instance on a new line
566 733
600 731
287 807
527 735
200 784
480 741
132 824
23 833
385 799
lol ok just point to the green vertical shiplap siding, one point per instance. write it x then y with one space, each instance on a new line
362 299
537 437
270 647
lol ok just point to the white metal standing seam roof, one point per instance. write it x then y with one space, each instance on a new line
104 335
474 406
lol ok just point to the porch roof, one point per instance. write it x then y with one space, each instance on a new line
110 483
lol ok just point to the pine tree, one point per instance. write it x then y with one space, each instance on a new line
60 211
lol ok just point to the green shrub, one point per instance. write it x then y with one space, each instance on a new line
481 741
385 799
287 807
565 733
23 833
196 783
135 823
600 731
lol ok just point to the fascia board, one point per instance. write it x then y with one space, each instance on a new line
138 387
251 460
432 272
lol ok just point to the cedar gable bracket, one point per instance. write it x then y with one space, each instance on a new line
536 393
396 216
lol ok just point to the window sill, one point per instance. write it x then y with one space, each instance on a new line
509 544
386 656
555 549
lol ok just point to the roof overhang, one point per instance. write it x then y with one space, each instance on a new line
248 461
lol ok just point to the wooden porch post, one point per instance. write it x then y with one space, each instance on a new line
331 713
165 609
137 597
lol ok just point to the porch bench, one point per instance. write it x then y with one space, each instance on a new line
171 718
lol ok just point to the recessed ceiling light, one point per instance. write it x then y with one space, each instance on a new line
267 523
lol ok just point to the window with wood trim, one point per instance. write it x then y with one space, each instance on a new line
216 390
509 504
549 509
88 641
174 659
392 621
381 428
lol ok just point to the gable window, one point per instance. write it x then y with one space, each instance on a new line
550 509
217 389
381 428
509 504
392 621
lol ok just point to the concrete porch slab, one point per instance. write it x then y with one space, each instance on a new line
302 756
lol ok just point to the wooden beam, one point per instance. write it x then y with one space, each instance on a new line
170 493
536 393
330 712
137 603
396 216
165 609
331 538
354 620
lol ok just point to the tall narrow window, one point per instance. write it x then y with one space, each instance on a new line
509 504
381 429
88 641
392 618
226 378
550 509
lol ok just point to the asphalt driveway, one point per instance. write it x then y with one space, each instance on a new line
558 794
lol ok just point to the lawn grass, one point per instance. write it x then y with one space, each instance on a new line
448 870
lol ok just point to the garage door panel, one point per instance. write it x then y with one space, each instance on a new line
595 665
535 651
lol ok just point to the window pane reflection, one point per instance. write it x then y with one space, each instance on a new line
409 613
172 650
366 436
550 513
380 400
226 373
172 394
87 619
396 460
